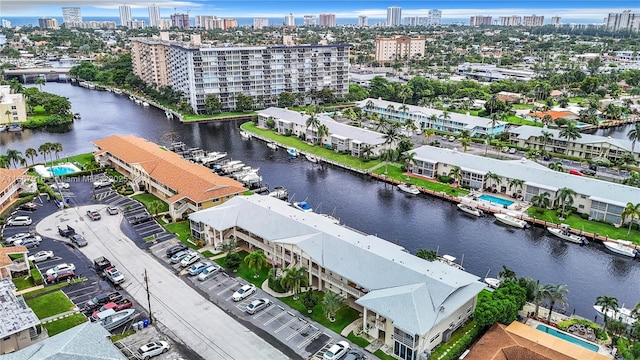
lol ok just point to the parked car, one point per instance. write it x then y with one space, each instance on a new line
114 275
66 232
153 349
244 292
354 355
116 306
93 215
209 272
139 219
19 221
336 351
257 305
547 157
512 150
78 240
60 186
199 267
575 172
28 206
41 256
589 172
189 259
61 267
29 243
102 183
177 257
59 276
176 249
18 236
112 210
102 299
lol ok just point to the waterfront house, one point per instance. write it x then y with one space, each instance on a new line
428 118
13 107
341 137
412 308
18 328
12 183
185 186
602 200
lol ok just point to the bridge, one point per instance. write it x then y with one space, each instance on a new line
28 75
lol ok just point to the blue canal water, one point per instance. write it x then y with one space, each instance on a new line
413 222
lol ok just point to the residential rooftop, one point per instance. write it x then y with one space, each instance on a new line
15 315
525 132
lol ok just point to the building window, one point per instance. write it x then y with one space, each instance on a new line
434 338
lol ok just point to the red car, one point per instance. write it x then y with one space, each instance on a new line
120 305
59 276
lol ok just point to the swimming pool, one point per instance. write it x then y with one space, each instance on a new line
495 200
58 170
567 337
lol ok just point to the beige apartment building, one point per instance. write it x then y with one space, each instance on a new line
533 20
399 47
149 58
13 108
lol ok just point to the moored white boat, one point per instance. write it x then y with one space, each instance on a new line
311 158
622 247
145 104
272 145
451 261
622 314
511 220
409 189
470 209
331 218
245 135
279 192
492 282
3 128
302 205
118 318
563 233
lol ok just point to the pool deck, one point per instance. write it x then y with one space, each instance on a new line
603 348
517 208
43 171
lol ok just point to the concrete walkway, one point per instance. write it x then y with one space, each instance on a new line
59 316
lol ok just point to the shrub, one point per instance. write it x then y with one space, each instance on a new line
584 216
233 261
445 179
275 283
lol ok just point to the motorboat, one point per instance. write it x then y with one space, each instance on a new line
563 233
3 128
303 206
292 152
117 91
77 116
168 114
409 189
311 158
511 220
622 247
145 104
279 192
451 261
245 135
116 319
622 314
331 218
272 145
492 282
14 128
470 209
213 157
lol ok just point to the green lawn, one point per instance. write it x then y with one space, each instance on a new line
395 172
50 304
39 114
576 99
246 273
316 150
118 337
381 355
344 317
518 120
522 106
208 254
589 226
58 326
22 283
183 230
147 199
363 343
50 288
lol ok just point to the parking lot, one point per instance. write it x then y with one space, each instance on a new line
301 335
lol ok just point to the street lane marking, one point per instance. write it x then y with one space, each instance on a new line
284 325
312 338
273 319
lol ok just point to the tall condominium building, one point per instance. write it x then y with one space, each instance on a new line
363 21
48 23
259 23
555 20
230 23
136 24
415 20
164 24
125 15
71 15
480 20
209 22
434 18
533 20
289 20
154 15
327 20
513 20
181 21
309 20
149 60
394 16
399 47
260 72
626 21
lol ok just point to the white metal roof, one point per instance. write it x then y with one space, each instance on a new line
525 132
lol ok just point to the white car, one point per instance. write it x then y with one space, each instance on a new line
244 292
41 256
209 272
19 221
257 305
102 183
60 186
153 349
190 259
61 267
336 351
20 242
15 237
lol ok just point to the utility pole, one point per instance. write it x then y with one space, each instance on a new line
146 283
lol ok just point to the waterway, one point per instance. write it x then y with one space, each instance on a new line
413 222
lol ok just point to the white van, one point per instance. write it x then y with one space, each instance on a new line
19 221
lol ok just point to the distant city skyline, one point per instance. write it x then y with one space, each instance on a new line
571 9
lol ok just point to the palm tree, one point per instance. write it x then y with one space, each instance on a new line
40 81
492 103
312 121
229 246
44 150
56 148
545 137
322 131
465 142
14 157
390 110
556 294
607 303
569 132
332 303
446 115
256 260
535 289
408 158
4 162
634 135
515 183
388 155
631 211
369 105
155 206
31 153
366 151
391 135
8 113
493 177
557 166
507 274
565 197
294 279
456 173
541 200
428 134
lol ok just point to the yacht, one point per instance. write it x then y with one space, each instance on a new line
563 233
511 220
470 209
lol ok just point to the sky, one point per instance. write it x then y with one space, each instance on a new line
575 9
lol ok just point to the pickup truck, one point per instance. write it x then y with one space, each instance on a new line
114 275
100 300
101 264
66 232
